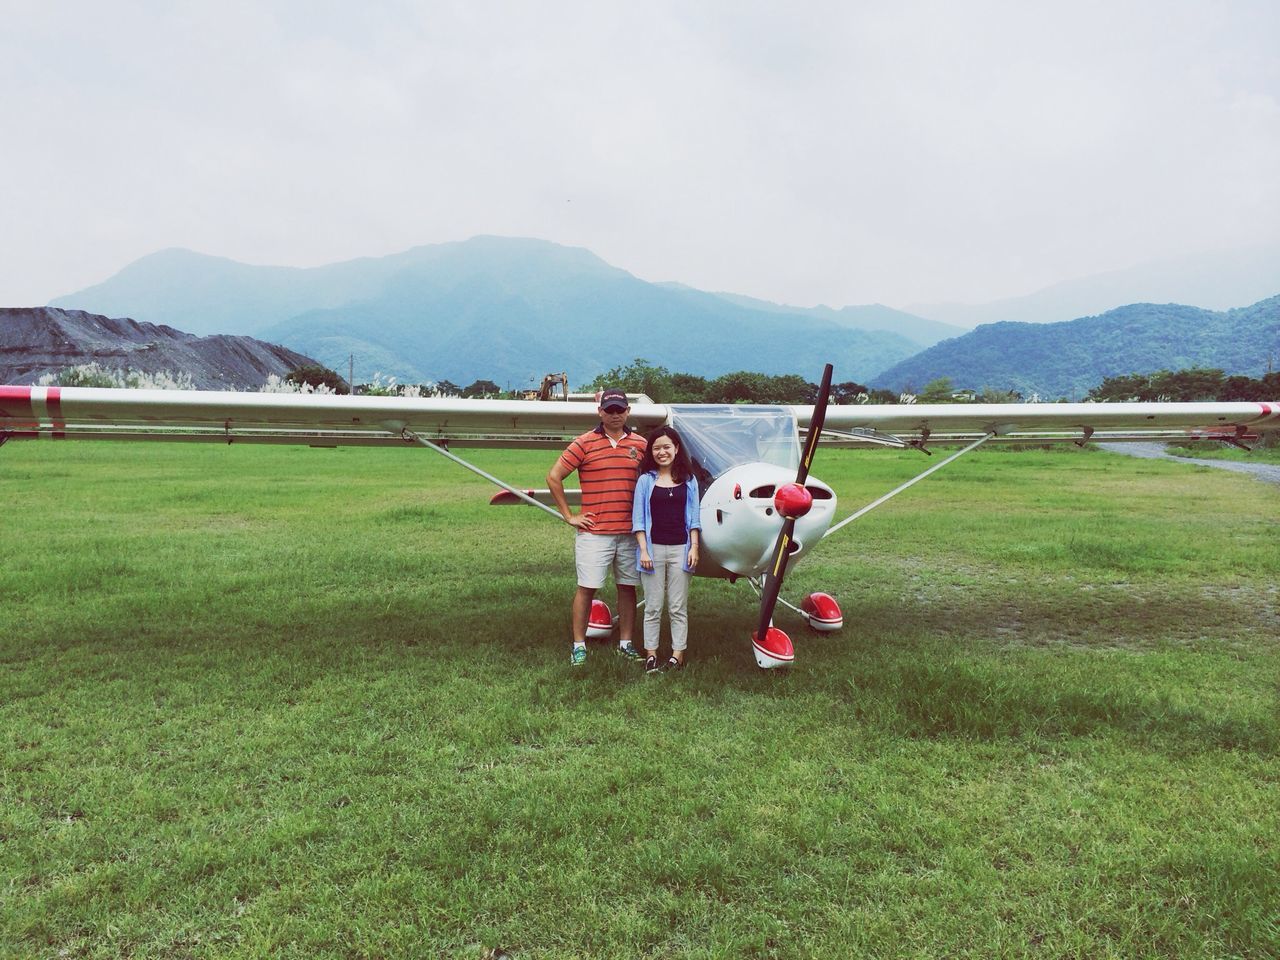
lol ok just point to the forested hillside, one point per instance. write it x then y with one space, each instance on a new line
1058 360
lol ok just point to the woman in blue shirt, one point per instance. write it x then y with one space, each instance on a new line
666 521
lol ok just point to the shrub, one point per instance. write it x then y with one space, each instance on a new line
93 375
318 376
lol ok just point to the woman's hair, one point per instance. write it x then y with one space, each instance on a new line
681 468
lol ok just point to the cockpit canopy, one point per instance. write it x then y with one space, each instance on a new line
722 436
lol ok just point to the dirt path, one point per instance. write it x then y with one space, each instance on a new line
1269 472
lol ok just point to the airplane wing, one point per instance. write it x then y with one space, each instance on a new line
331 420
28 413
868 424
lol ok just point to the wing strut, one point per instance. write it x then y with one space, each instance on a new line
414 438
897 490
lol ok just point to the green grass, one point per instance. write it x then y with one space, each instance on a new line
284 702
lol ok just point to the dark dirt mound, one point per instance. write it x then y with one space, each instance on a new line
39 340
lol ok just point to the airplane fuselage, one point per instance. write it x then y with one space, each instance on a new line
740 522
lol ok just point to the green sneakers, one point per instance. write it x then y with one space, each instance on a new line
579 656
629 652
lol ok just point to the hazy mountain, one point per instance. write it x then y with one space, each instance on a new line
205 294
39 340
1067 359
500 308
872 316
1216 281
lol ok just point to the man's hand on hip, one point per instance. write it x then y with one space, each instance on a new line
582 521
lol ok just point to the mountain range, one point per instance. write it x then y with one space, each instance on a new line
511 309
873 316
1067 359
507 309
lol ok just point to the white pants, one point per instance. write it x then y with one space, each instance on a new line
667 581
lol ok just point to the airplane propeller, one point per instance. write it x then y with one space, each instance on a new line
792 500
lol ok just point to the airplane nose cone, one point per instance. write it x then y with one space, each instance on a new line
792 500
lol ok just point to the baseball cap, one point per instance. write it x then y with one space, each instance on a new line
613 397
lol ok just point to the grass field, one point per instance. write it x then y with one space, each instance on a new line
284 702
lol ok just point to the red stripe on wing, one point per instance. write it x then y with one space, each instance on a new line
54 402
15 402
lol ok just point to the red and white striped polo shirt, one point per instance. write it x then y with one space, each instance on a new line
607 475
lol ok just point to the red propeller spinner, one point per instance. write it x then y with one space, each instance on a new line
793 500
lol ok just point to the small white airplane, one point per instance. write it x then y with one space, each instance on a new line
761 509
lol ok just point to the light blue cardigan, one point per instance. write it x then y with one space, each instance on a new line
641 519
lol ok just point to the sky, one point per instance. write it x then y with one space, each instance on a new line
840 153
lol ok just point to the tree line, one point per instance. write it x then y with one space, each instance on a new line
1195 384
743 386
319 376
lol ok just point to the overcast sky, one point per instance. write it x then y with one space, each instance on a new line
840 153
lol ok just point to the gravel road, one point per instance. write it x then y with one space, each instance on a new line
1269 472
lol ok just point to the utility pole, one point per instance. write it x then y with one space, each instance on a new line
351 373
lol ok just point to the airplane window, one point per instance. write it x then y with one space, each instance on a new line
721 436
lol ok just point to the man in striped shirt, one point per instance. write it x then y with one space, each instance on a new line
607 460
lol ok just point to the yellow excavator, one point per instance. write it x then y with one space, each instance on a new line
548 389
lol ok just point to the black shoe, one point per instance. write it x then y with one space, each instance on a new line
651 665
672 665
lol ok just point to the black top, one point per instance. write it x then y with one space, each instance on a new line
666 506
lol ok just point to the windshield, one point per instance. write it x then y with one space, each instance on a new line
721 436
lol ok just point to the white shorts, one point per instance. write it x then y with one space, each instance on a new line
595 554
